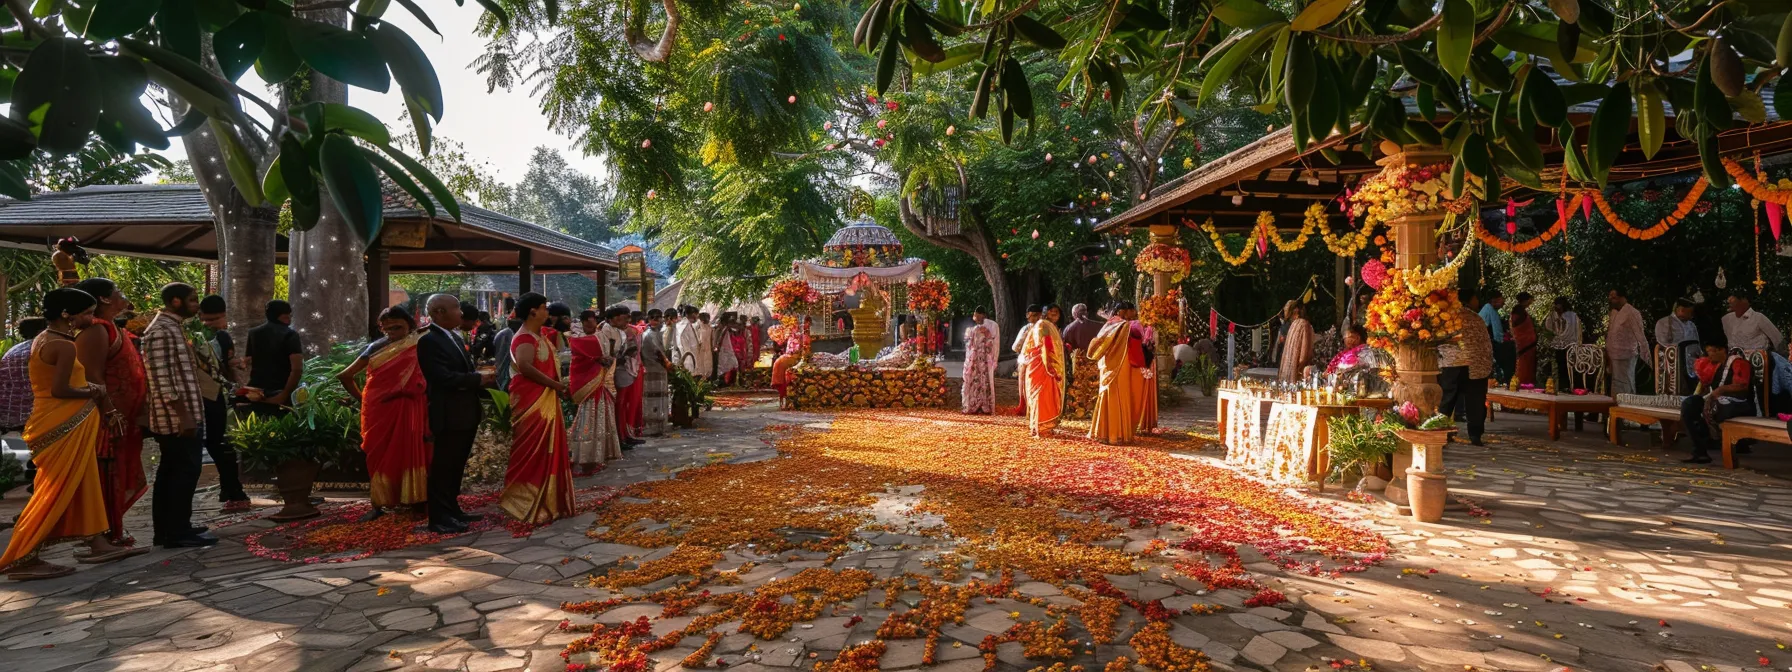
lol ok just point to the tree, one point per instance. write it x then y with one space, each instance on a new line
555 195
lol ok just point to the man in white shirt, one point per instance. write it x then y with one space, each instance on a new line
687 348
1019 348
1624 342
1564 325
706 346
1748 330
1677 332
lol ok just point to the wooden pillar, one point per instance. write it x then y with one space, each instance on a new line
1415 238
1164 234
602 276
379 285
525 271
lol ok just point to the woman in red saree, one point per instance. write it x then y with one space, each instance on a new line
1524 335
595 437
106 348
538 482
394 414
745 356
1044 374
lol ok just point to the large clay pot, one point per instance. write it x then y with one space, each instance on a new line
1426 492
294 479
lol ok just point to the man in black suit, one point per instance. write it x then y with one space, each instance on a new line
454 411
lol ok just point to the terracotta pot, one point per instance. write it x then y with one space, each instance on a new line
1426 491
681 415
294 479
1396 490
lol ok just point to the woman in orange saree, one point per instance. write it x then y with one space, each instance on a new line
1044 374
64 434
106 348
538 482
394 414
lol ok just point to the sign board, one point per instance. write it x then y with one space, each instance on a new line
408 233
632 267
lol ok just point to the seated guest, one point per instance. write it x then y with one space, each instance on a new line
1725 384
1355 342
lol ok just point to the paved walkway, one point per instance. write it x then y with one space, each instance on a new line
1585 557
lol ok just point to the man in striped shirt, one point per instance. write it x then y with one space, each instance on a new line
176 418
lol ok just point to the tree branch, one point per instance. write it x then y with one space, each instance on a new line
22 14
1413 34
650 51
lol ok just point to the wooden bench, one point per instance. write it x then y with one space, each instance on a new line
1759 429
1668 418
1556 407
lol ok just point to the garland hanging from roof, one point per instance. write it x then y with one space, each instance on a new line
1219 245
1681 210
1345 244
1757 185
1266 226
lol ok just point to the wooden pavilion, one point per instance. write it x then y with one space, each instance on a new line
173 222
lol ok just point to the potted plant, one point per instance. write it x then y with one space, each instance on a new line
296 446
1201 373
1359 444
491 447
690 395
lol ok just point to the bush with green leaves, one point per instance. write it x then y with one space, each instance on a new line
324 425
1200 373
1357 441
12 472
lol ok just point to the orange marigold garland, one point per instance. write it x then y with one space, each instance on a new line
1757 186
1163 258
1521 247
1398 315
929 295
1163 313
1681 210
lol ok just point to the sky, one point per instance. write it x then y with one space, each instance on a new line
501 128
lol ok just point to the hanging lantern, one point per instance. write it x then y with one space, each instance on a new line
1776 215
1561 208
1511 227
1511 209
1586 209
791 100
1035 234
709 107
1262 247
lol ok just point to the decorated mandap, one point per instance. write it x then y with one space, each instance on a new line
862 271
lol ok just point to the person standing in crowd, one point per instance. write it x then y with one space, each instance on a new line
1464 366
1676 331
687 344
1044 374
1116 354
1505 352
596 358
469 330
216 382
741 339
110 355
501 352
1624 342
453 389
560 323
1748 330
758 336
726 360
1524 341
1725 391
483 337
1297 345
1144 384
656 401
629 385
394 414
538 481
706 346
1020 350
64 433
276 360
978 393
1081 330
1565 325
176 418
15 376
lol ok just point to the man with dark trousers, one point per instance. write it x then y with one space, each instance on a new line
454 411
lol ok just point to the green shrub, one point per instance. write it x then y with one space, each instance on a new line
1357 441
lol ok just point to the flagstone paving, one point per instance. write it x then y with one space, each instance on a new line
1586 557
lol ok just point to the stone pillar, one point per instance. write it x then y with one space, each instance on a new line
1163 234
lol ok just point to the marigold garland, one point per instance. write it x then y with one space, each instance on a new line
1521 247
1266 227
1219 245
929 296
1345 244
794 296
1164 258
1757 186
1681 210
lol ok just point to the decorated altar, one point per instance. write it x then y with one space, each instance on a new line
814 387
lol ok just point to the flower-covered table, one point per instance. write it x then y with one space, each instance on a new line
857 387
1281 441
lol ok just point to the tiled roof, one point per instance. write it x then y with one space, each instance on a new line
121 204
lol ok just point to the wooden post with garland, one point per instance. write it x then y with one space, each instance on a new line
1415 238
1163 234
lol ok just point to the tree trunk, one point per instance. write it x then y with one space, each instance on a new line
245 233
974 241
326 264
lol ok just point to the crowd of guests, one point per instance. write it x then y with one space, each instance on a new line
1116 345
87 391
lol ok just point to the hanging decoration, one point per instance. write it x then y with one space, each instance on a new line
1345 244
1755 207
1512 246
1164 258
1779 192
1423 282
793 296
1266 225
1681 210
1412 189
1219 245
1375 274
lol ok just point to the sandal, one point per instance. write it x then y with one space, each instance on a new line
110 556
48 571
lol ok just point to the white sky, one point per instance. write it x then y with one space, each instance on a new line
500 129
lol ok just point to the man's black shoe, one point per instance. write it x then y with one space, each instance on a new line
1477 441
465 517
1697 459
448 527
194 541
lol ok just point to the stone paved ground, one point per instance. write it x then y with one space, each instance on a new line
1587 557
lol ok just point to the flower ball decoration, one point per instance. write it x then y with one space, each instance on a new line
1400 316
1163 313
792 296
1164 258
1375 273
929 296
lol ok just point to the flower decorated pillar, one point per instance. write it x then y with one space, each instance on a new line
1162 281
